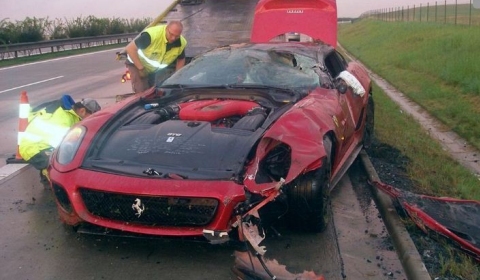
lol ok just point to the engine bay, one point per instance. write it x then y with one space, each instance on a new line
238 114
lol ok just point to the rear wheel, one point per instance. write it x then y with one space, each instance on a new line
309 197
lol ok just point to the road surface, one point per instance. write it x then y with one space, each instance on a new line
35 244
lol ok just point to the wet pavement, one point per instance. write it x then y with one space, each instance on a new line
214 23
35 245
359 225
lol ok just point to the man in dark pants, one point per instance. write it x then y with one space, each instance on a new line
149 55
47 124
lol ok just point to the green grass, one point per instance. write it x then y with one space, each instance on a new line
433 170
437 67
462 266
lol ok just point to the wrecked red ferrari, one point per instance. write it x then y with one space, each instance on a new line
241 134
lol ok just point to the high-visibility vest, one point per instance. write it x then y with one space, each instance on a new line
46 130
157 50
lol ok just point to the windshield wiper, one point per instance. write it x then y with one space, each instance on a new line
192 86
290 91
180 86
153 172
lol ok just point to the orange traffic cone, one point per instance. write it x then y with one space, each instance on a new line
23 119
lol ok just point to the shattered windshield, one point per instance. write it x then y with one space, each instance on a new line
230 66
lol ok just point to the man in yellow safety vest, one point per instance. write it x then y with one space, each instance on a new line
47 124
149 55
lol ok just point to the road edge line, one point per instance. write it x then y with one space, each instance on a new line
7 172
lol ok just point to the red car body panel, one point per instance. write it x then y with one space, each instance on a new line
227 193
297 128
317 18
300 127
71 178
452 218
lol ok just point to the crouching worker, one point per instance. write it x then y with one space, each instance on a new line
47 124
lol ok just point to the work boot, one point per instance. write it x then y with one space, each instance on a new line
44 179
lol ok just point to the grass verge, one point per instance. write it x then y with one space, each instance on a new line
434 65
430 167
398 52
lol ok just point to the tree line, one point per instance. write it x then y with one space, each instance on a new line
41 29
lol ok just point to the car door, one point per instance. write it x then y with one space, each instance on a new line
335 65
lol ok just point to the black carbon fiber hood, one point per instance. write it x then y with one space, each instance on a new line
192 149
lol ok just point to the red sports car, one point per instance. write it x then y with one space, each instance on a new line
241 134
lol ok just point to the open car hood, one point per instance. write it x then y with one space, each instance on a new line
189 145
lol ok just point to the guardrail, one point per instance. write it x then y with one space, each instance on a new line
11 51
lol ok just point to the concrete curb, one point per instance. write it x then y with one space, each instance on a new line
10 170
407 252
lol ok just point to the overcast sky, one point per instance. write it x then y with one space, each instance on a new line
67 9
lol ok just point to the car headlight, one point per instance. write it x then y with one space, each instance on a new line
69 146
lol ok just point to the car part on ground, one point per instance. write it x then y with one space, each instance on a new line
458 220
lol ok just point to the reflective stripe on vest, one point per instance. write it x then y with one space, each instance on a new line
155 56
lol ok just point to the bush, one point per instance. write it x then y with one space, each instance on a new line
31 30
7 33
35 29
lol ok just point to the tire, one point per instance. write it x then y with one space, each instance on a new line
309 197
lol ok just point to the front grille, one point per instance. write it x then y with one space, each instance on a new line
150 210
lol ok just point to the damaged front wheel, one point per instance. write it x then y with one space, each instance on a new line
309 197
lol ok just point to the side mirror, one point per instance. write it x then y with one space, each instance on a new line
341 86
352 82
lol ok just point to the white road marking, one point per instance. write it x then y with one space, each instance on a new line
39 82
55 59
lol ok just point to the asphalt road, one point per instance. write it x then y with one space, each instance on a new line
35 245
48 80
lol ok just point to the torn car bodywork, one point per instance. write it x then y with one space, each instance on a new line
240 136
458 220
202 154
